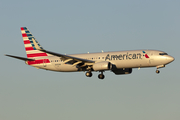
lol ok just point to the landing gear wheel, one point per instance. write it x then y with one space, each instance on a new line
101 76
89 74
157 71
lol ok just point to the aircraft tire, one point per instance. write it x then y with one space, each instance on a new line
101 76
157 71
89 74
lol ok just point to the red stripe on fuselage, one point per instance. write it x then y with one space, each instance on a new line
36 55
29 48
38 61
27 42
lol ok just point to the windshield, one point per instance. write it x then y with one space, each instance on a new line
163 54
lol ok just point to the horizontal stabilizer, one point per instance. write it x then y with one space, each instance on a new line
20 58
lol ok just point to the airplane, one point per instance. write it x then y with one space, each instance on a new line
119 62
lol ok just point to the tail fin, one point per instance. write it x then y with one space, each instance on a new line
32 46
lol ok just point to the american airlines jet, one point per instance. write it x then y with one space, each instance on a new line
119 62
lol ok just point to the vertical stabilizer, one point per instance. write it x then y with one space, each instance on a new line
33 48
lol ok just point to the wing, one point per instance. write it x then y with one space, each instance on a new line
70 59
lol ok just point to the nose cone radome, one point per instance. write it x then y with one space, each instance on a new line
170 59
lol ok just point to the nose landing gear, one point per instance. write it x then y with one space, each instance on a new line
157 71
159 66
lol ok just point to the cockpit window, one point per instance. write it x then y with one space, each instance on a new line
163 54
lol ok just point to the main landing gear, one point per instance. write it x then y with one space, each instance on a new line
100 76
89 74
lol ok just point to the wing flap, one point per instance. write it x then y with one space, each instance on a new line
76 63
67 60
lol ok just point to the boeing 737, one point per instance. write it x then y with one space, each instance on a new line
119 62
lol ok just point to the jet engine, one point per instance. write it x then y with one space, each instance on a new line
122 71
105 65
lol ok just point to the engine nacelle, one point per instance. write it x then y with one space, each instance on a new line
102 66
122 71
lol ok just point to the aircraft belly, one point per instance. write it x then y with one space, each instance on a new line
67 68
132 63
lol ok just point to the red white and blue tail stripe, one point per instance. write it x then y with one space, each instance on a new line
33 48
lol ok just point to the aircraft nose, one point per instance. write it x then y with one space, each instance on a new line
170 58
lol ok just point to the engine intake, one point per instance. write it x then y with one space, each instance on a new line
102 66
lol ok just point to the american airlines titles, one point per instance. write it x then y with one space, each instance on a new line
124 56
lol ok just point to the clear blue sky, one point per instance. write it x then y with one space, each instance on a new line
80 26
